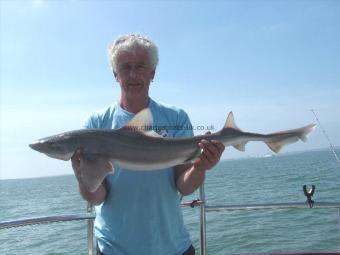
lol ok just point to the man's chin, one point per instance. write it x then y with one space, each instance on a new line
135 87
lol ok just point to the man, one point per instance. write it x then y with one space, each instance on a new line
138 212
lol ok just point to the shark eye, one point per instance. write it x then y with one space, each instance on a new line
52 145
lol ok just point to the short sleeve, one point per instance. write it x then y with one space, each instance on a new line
183 126
90 122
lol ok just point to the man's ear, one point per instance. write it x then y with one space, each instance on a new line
152 75
115 75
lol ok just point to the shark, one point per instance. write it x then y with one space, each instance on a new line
136 147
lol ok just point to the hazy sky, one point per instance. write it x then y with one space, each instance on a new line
269 62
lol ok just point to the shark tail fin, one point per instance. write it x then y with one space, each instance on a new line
280 139
307 130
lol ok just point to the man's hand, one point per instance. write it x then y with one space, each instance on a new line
211 154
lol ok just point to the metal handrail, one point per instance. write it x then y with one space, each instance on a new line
302 205
43 220
215 208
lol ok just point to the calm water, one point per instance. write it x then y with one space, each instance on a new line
258 180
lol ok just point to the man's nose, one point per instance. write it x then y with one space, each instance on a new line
133 72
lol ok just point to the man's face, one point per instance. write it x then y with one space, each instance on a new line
134 73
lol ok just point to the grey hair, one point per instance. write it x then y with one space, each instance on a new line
130 43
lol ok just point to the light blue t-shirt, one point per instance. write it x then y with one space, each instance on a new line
142 214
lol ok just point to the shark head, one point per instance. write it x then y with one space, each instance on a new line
58 147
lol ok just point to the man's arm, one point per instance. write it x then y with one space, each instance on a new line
96 197
190 176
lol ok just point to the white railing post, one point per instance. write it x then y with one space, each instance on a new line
90 224
202 221
339 225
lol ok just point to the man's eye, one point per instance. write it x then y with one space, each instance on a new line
125 68
140 67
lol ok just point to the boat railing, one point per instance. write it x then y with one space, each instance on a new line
200 202
89 217
309 203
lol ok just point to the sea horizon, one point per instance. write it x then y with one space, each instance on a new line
337 147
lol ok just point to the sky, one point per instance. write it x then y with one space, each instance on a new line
270 62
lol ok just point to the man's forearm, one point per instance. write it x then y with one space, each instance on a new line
190 180
96 197
190 177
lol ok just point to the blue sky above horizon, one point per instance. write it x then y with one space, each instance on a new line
269 62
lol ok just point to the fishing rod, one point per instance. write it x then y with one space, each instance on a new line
325 134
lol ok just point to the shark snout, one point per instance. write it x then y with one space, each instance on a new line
37 146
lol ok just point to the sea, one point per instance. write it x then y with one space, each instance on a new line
269 179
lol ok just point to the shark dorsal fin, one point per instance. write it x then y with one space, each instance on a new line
141 121
230 122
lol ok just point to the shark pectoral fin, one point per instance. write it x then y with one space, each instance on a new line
94 171
240 146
